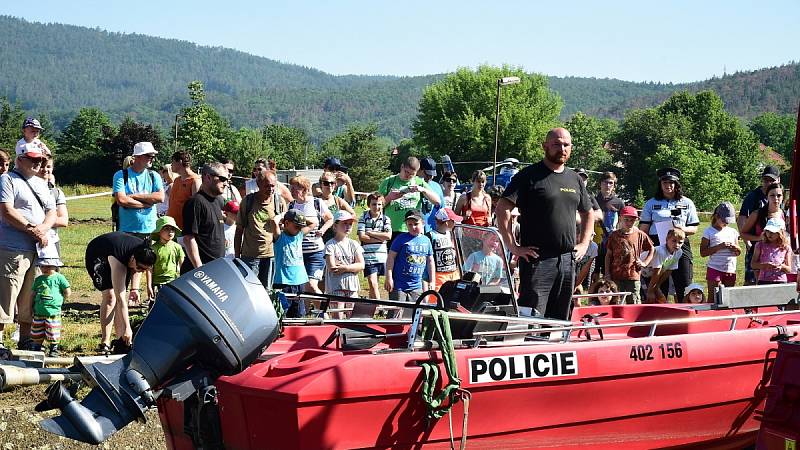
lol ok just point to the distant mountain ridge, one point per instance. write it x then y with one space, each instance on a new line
57 69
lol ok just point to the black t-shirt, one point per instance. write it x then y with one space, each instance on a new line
753 201
547 202
202 218
118 244
611 204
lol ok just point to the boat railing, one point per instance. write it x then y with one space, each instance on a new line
653 325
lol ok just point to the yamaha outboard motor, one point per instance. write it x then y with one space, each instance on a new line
216 319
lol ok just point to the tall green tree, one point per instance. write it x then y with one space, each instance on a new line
11 117
80 158
695 121
589 138
201 130
83 134
457 115
290 147
244 147
366 156
776 131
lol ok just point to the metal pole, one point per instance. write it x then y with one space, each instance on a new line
176 131
496 134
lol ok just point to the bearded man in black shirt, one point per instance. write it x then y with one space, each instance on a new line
547 194
203 222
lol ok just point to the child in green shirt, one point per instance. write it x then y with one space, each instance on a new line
169 255
50 289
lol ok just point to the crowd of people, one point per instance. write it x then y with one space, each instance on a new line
296 237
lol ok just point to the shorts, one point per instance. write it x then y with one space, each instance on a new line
315 264
100 272
379 268
405 296
714 275
17 272
293 308
46 327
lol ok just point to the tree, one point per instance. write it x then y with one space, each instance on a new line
80 158
83 134
289 146
365 155
201 130
11 118
776 131
589 138
245 146
703 175
694 121
457 115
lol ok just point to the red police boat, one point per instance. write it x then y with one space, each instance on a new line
624 377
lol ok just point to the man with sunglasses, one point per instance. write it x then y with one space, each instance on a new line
203 222
27 212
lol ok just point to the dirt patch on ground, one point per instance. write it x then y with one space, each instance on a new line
19 426
19 423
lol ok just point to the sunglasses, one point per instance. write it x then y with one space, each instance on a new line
35 160
327 183
450 180
221 178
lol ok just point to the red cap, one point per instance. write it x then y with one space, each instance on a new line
629 211
232 206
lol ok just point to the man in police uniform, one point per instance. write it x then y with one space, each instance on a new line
547 194
670 205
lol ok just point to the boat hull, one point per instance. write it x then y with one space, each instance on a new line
623 392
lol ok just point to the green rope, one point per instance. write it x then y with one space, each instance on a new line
275 297
437 328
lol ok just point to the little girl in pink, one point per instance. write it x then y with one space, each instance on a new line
772 255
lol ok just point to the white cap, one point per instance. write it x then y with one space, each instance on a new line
775 225
31 150
144 148
342 216
694 286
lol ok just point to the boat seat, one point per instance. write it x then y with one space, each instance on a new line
463 329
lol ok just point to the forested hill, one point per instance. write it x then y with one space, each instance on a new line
57 69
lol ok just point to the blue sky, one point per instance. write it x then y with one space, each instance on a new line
668 41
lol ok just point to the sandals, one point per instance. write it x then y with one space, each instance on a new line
103 349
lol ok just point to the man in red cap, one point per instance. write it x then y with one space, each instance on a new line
27 212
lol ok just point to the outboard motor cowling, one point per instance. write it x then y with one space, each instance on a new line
217 317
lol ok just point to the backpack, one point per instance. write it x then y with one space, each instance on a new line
249 201
115 205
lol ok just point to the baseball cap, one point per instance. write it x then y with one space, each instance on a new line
144 148
428 165
294 215
775 225
342 216
31 150
49 262
668 174
725 212
446 214
694 286
413 214
334 163
771 172
166 221
232 207
629 211
31 122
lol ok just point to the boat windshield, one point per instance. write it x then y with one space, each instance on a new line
480 250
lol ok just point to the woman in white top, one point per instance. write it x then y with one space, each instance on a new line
449 181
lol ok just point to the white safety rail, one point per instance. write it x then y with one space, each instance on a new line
97 194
